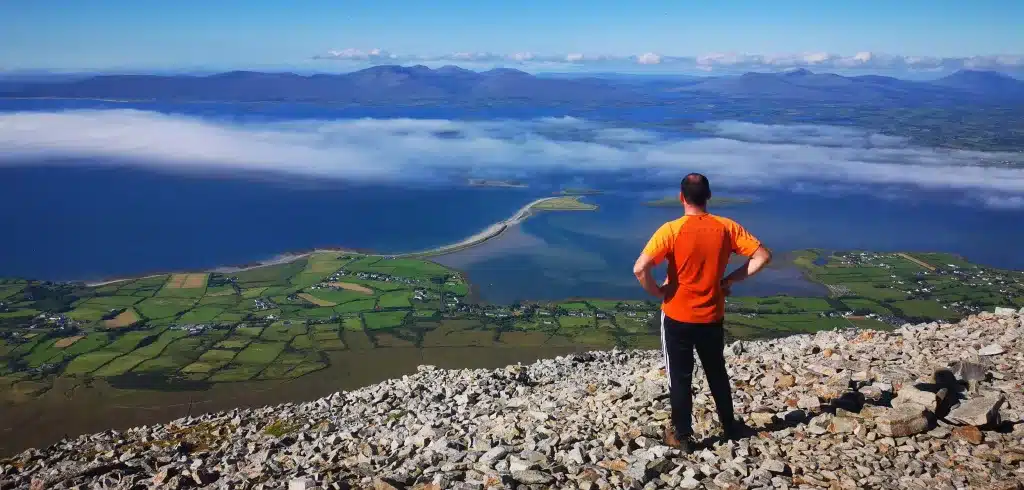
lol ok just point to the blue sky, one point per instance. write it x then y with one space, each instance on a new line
227 34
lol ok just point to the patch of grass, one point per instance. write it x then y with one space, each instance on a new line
235 372
120 365
129 341
110 302
280 428
163 307
259 353
279 332
337 296
234 343
217 355
302 342
395 299
574 306
575 321
352 323
86 314
384 319
357 306
921 308
200 314
249 331
87 363
306 368
273 274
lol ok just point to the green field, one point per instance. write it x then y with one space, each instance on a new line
281 321
384 319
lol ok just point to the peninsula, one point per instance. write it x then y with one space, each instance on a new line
673 201
563 203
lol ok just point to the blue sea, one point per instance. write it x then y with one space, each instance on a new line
83 219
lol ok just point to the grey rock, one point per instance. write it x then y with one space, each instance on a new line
981 411
493 454
902 422
991 350
774 466
689 483
532 477
808 402
909 395
1003 311
301 484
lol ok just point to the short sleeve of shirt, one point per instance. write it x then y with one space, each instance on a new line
660 244
743 242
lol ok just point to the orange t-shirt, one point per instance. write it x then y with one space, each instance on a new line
698 248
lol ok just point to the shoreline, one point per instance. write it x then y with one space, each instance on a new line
493 231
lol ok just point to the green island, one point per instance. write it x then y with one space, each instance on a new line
565 203
673 201
280 321
580 191
496 183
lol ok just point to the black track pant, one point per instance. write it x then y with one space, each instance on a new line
679 339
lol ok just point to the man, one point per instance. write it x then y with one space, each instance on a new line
697 246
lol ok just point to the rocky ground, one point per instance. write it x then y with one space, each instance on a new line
931 406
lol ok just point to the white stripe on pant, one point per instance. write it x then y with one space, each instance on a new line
664 350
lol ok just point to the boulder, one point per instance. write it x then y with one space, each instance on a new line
910 395
981 411
902 422
1003 311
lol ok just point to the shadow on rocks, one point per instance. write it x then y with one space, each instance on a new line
948 387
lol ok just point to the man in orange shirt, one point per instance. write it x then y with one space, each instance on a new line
697 246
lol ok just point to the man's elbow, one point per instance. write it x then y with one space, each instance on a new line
638 271
763 255
640 267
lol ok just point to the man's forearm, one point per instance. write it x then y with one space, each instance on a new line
649 284
748 269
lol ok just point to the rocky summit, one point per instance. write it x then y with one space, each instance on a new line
931 406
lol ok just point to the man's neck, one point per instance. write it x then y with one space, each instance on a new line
694 211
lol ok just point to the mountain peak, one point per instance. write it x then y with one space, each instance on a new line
506 72
978 75
798 72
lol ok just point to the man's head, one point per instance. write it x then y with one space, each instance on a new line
695 190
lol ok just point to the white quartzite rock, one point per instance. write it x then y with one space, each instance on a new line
1003 311
991 350
909 395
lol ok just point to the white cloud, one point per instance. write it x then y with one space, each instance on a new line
863 60
744 155
648 59
353 54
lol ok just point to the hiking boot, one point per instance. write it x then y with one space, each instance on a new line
685 444
736 431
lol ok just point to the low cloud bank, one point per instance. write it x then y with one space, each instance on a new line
744 155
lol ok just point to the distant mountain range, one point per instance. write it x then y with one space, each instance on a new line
804 85
405 84
386 83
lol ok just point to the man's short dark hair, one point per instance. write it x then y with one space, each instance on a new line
696 189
